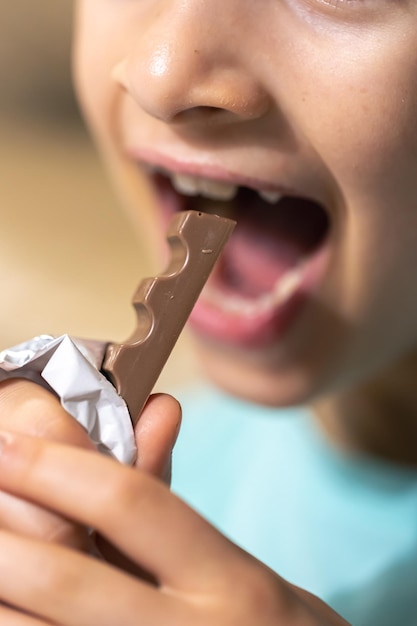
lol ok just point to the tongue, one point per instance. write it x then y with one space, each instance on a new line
269 241
254 260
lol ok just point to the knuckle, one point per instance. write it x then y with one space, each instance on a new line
125 489
265 595
57 575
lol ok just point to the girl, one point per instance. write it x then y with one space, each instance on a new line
297 117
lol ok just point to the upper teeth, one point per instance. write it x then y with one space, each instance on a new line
270 196
213 189
195 185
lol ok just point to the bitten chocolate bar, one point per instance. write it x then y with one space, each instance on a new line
163 304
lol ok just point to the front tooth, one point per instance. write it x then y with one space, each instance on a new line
195 185
183 183
217 190
270 196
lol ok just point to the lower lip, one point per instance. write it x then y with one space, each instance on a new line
258 330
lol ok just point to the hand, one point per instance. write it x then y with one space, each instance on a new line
201 578
29 409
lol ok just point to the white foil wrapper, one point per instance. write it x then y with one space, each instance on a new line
70 367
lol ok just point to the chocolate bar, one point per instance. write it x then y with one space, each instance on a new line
163 304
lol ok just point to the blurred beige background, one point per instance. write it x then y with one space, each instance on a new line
69 259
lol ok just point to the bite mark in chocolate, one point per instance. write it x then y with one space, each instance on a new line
163 304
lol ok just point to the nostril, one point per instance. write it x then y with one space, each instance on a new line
208 110
204 113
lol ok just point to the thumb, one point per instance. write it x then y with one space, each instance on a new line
156 433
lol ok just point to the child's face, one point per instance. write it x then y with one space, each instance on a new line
314 100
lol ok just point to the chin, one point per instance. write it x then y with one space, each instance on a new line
247 377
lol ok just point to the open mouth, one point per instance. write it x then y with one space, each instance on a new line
269 263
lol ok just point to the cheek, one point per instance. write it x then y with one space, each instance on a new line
101 100
360 117
93 64
367 135
361 112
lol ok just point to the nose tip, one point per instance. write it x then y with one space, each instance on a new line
174 81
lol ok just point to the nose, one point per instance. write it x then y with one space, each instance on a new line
186 62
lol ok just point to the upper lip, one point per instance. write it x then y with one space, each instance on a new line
211 171
289 179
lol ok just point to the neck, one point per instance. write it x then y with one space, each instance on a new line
379 418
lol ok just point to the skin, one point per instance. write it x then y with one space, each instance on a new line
216 582
320 98
27 408
325 84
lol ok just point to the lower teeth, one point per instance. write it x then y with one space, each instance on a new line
284 288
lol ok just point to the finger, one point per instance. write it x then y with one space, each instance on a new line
13 617
31 520
137 513
69 588
319 608
10 616
156 433
28 408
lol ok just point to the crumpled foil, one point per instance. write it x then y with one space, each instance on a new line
71 368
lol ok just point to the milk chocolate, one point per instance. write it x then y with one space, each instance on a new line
163 304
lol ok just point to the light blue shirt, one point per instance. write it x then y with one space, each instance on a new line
344 528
